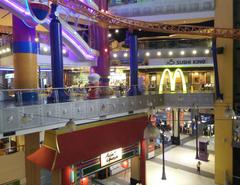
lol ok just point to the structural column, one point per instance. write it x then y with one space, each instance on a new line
66 176
133 47
223 126
175 126
26 77
32 170
138 166
99 41
56 56
25 59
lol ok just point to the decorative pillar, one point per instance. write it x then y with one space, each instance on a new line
25 59
143 162
99 41
66 176
32 170
224 126
138 166
175 126
56 56
133 48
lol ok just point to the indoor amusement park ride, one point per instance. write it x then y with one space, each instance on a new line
38 13
105 17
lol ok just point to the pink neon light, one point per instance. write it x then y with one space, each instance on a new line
78 46
17 7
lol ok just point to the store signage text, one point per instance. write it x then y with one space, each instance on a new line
180 62
111 157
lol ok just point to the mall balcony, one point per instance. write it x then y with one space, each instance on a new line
163 10
19 115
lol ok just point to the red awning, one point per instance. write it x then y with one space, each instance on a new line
43 157
89 143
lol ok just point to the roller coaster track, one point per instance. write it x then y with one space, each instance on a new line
108 19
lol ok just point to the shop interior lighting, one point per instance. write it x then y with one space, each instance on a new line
194 52
109 35
4 51
170 53
116 31
115 55
125 55
207 51
182 53
8 49
159 53
147 54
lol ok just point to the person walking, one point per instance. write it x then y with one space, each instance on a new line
198 167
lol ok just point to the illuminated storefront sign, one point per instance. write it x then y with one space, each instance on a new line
173 80
182 62
111 157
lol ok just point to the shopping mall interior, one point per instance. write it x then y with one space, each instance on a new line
119 92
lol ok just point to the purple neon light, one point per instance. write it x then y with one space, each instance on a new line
77 46
17 7
20 9
11 69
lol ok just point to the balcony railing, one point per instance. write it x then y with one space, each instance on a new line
18 97
137 8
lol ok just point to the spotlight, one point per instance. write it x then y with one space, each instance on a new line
8 50
36 39
170 53
159 53
109 35
125 55
64 51
115 55
182 53
106 50
116 31
4 51
207 51
147 54
194 52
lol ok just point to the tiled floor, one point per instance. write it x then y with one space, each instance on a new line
174 176
180 167
211 145
186 157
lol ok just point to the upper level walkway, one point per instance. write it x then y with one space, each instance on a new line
161 10
19 116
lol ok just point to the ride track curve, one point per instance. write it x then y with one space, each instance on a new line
109 19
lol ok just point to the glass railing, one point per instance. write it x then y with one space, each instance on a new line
19 97
138 8
176 43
